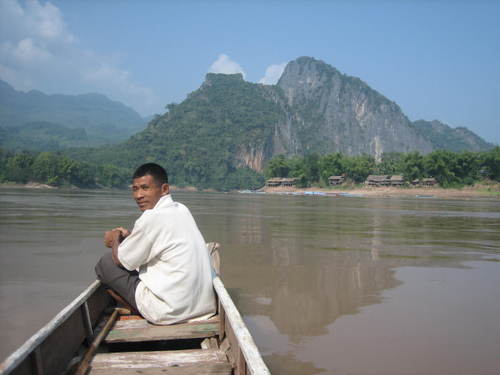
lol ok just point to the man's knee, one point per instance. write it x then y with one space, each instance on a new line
103 267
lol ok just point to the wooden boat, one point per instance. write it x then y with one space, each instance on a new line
90 336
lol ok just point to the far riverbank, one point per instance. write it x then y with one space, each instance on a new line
490 190
469 192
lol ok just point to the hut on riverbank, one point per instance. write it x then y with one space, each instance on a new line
336 180
397 180
282 182
378 180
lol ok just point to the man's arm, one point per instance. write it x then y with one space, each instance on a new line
112 239
116 239
108 236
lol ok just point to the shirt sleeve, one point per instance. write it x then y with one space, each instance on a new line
135 250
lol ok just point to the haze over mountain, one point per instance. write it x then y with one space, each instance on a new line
230 127
34 120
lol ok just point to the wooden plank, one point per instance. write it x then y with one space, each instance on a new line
193 369
156 360
254 362
142 330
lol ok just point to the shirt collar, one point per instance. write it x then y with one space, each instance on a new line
164 201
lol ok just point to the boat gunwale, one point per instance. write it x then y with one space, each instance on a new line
30 345
253 358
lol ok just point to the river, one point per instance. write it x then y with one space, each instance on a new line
326 285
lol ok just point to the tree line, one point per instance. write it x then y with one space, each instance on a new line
56 169
450 169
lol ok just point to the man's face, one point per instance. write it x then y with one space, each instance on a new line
146 192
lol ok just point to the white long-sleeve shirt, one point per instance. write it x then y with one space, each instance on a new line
168 250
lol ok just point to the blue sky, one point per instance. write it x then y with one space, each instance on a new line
436 59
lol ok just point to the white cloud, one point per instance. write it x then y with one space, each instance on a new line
38 51
225 65
27 51
273 74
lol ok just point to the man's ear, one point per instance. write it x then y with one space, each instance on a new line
165 189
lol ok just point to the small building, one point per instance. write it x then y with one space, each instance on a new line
281 182
429 181
378 180
336 180
273 182
397 180
289 182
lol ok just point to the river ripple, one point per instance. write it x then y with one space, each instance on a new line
326 284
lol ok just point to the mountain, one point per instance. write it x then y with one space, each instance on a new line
101 119
42 136
224 133
442 136
213 136
335 112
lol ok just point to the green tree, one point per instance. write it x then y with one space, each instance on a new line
312 168
359 167
277 167
19 168
441 165
412 166
46 169
332 165
391 163
491 163
467 167
298 170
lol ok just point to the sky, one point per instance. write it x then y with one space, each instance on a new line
436 59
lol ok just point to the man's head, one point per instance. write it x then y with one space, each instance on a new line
149 184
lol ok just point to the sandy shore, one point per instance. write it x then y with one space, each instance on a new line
479 191
482 191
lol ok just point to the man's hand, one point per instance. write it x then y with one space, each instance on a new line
117 234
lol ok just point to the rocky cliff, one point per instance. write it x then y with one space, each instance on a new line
334 112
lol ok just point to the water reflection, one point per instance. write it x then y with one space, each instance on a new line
295 266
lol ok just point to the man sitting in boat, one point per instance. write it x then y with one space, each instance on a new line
161 268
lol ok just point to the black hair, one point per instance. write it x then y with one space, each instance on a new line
156 171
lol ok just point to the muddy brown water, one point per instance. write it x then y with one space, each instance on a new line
326 285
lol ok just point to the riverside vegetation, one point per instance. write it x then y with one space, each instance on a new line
451 169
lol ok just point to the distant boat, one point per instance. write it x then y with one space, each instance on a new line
350 195
91 336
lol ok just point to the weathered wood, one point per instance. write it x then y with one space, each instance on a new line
56 341
86 320
37 361
222 319
156 360
210 343
193 369
252 356
142 330
213 251
84 365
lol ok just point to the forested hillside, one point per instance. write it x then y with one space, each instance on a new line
96 118
444 137
200 140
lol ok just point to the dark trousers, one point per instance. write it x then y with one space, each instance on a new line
119 279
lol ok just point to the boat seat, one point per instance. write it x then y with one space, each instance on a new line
178 362
139 330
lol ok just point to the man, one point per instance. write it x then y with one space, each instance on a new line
161 268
